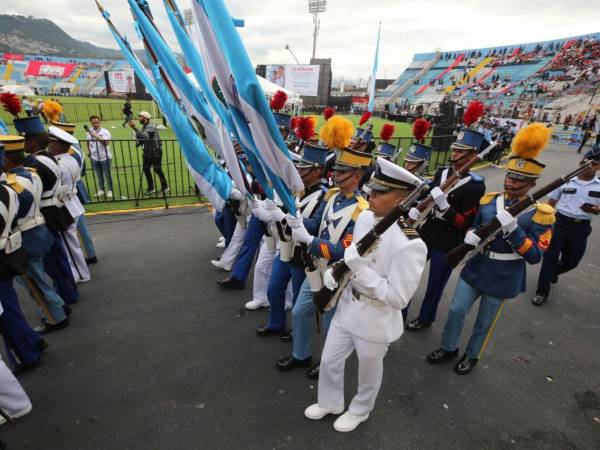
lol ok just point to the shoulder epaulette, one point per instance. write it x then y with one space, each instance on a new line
544 214
477 178
330 193
361 205
30 169
11 180
411 233
487 198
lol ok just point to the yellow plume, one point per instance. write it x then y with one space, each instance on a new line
337 132
52 110
531 140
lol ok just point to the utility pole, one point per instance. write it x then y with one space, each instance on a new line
315 7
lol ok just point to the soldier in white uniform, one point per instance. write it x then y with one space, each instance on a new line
59 146
369 312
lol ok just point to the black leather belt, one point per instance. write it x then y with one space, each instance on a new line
570 219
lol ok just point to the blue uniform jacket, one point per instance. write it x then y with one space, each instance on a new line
320 246
37 241
506 279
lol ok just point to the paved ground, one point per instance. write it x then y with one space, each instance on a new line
157 357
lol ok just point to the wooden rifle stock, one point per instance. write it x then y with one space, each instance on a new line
489 231
323 297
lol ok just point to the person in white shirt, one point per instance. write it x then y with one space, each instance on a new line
369 312
99 150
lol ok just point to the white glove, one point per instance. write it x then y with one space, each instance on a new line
235 194
471 238
440 199
508 222
292 221
277 215
414 214
261 213
353 260
329 281
300 234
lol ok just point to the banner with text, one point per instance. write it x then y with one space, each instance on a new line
49 69
302 79
121 81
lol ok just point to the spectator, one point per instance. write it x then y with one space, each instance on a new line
127 112
587 133
149 139
98 139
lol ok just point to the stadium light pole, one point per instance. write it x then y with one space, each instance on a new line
288 48
315 7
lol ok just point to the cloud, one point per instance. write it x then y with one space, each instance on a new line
349 27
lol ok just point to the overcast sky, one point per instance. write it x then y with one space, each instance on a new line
348 27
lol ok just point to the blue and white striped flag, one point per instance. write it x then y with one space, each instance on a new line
373 79
246 100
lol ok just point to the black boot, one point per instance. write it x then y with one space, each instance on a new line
440 355
231 283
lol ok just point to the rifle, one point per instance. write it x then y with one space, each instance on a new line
428 204
325 298
488 232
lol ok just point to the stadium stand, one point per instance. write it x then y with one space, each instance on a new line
81 76
510 80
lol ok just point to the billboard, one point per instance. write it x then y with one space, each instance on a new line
121 81
303 79
49 69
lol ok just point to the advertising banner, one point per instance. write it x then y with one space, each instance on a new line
49 69
14 56
121 81
302 79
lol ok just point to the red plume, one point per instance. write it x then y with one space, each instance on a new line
328 112
278 100
420 129
366 115
306 128
474 111
11 103
294 123
387 131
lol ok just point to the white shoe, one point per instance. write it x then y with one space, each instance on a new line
253 304
220 265
17 415
221 244
348 422
109 194
315 412
100 193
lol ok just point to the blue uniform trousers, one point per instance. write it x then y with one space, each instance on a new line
489 311
55 304
243 263
566 250
439 273
225 221
22 343
303 316
86 238
281 273
57 266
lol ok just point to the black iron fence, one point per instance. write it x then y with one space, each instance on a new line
116 172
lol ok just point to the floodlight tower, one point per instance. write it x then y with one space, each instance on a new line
315 7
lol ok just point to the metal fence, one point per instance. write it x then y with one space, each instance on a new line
123 175
81 112
127 180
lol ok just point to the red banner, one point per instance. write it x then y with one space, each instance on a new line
49 69
14 56
363 100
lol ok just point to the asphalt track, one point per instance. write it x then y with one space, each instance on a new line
158 357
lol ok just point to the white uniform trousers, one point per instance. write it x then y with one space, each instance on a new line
79 267
338 347
262 275
13 399
235 244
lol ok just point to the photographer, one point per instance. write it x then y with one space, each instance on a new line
149 139
98 140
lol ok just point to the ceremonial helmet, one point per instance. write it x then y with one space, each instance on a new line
526 146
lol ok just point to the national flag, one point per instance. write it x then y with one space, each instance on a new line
371 89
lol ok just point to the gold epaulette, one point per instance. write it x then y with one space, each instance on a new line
410 233
330 193
544 214
11 180
30 169
487 198
361 205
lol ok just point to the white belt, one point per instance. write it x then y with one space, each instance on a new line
358 297
28 224
501 256
322 265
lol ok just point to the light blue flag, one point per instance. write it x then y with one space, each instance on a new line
246 100
371 104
